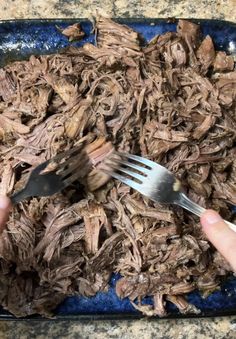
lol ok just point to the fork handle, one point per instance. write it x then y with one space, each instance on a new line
196 209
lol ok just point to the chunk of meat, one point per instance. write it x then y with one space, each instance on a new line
73 32
189 31
206 53
63 86
223 62
7 86
12 126
202 129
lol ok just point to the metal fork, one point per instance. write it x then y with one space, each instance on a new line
66 167
152 180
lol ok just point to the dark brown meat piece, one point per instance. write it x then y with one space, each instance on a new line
206 53
111 34
223 62
172 101
7 86
189 31
73 32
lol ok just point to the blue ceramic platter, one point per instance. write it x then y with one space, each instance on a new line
22 38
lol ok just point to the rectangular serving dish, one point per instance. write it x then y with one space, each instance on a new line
21 38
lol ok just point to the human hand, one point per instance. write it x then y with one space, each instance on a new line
5 206
220 235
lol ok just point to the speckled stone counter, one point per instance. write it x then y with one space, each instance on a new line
223 327
211 328
220 9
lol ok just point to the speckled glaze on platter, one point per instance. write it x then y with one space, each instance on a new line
21 38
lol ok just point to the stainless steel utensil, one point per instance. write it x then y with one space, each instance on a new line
54 175
152 180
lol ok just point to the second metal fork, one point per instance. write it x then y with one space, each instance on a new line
54 174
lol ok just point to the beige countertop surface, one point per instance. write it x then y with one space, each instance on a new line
220 327
217 9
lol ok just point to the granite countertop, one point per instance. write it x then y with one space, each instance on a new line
217 9
221 327
211 328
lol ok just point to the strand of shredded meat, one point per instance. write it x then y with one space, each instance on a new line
172 101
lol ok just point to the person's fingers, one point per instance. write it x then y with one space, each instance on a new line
5 205
220 235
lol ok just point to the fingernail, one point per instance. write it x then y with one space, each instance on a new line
4 202
210 217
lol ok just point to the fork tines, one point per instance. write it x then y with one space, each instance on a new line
124 166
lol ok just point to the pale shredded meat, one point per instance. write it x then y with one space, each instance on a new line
172 101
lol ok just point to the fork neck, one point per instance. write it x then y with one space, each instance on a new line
189 205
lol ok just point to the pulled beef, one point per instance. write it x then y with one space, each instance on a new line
172 101
223 62
73 32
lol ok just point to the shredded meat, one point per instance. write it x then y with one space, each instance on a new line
73 32
172 101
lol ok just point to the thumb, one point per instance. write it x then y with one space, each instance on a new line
220 235
5 205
